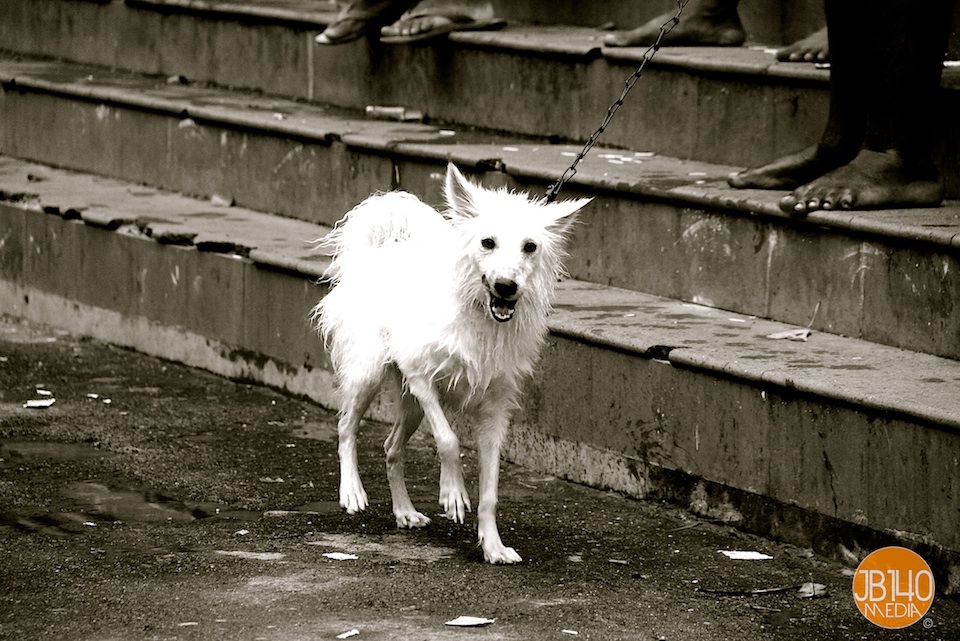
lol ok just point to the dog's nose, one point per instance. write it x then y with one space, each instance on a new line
505 288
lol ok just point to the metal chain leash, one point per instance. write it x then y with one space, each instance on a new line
569 173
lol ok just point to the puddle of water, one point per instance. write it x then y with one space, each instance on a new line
45 450
127 505
317 430
322 508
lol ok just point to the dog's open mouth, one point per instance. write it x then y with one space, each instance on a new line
501 309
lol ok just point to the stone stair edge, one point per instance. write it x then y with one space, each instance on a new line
635 174
752 59
878 379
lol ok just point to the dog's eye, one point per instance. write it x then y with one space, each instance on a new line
488 243
529 247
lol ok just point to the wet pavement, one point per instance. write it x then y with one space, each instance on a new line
153 501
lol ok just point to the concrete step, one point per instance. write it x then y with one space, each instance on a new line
834 443
543 81
658 225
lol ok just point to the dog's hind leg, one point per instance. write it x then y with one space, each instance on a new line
357 397
409 416
491 431
453 492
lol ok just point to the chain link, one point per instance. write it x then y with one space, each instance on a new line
569 173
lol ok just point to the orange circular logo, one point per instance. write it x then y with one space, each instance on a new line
893 587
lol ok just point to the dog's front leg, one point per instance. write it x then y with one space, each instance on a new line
494 421
453 492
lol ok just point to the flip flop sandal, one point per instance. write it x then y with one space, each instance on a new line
354 23
456 23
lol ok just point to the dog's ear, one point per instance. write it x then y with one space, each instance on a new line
563 214
460 194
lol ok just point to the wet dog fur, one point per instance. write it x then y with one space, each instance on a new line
451 308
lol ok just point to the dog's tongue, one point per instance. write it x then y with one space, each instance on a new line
501 310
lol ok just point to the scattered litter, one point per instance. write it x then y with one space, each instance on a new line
737 320
745 555
569 154
470 622
39 404
644 154
44 392
791 335
219 201
573 632
811 590
267 479
177 79
575 558
447 132
697 173
90 524
93 396
341 556
107 401
764 609
187 624
348 634
400 114
4 359
241 532
511 149
618 561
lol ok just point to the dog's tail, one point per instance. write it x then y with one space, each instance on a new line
379 221
362 246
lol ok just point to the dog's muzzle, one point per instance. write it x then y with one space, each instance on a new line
503 296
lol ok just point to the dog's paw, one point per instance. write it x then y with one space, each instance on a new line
411 519
455 505
500 555
353 498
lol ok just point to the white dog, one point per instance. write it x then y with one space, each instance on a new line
453 309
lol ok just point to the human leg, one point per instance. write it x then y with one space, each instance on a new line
845 129
902 61
703 23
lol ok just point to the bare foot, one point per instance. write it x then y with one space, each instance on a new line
719 26
872 180
813 48
793 170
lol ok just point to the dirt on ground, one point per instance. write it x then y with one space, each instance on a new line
154 501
